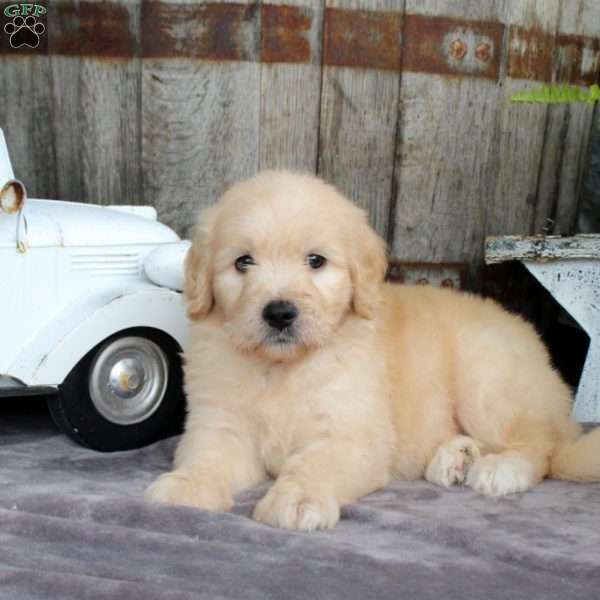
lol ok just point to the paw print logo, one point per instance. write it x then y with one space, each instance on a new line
24 31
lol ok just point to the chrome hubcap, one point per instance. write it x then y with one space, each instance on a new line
128 379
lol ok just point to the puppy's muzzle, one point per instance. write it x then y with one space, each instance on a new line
279 314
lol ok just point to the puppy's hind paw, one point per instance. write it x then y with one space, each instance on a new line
501 474
452 460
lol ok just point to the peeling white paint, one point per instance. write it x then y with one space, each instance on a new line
576 285
569 268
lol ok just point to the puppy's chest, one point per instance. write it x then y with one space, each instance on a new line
287 417
274 448
276 413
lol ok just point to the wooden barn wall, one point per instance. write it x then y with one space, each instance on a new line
401 103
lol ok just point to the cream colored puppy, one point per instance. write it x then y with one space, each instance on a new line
303 366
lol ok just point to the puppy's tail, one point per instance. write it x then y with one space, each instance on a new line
579 459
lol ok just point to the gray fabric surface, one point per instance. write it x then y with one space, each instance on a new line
73 525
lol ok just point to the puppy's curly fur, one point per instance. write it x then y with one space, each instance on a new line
370 381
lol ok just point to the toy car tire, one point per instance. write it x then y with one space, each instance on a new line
125 393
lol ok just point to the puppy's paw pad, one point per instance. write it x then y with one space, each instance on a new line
501 474
176 488
452 461
288 507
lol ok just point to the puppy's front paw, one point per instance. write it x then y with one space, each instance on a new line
288 506
452 460
180 488
501 474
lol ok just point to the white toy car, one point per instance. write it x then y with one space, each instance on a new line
90 313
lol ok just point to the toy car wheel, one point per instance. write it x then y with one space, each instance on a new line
125 393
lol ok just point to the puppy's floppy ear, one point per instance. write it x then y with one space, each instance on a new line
197 287
368 266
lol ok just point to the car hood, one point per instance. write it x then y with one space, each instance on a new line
58 223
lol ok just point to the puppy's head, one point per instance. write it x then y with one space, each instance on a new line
283 259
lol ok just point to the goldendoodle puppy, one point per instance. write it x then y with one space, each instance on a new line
305 367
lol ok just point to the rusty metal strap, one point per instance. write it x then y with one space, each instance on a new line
416 43
542 56
220 32
392 41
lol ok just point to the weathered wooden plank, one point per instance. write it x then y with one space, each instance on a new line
291 32
483 179
95 119
25 108
65 74
230 87
26 118
446 159
576 121
110 151
359 104
200 119
500 249
513 206
568 127
76 118
110 96
588 217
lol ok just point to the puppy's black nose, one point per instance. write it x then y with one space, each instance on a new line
279 314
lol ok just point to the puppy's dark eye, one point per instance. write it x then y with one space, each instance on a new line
243 262
316 261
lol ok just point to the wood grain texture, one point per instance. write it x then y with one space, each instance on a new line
65 98
513 205
290 97
359 116
95 108
542 248
110 96
471 163
175 100
200 131
588 212
65 91
110 119
567 132
446 159
26 118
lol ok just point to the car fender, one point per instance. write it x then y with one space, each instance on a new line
50 356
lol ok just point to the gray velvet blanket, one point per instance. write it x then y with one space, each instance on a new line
73 525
